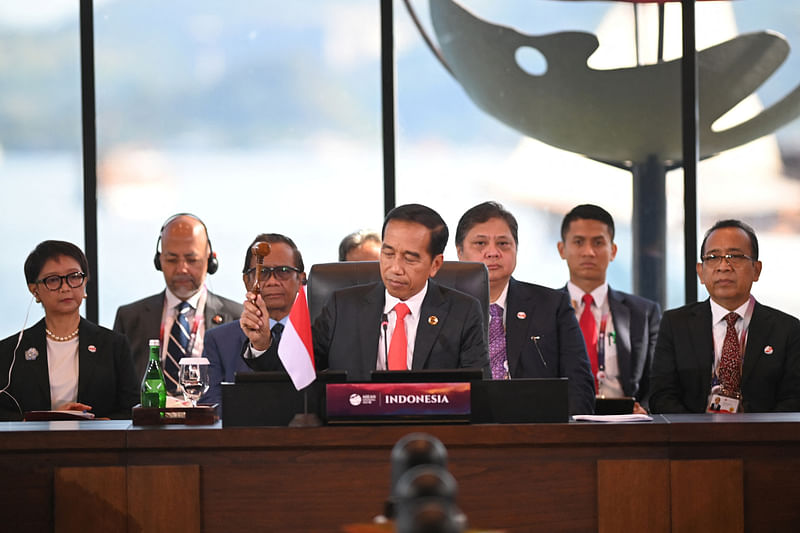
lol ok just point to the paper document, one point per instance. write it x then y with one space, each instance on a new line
613 418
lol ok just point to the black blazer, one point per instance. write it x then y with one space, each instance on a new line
140 321
450 334
684 358
541 328
105 372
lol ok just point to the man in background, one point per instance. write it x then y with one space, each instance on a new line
619 329
181 314
362 245
532 330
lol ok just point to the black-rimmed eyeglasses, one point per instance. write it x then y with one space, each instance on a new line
281 273
54 282
734 260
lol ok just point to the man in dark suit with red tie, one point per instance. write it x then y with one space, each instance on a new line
407 321
729 346
620 329
532 330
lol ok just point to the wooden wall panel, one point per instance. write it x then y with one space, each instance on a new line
164 498
633 495
90 499
707 495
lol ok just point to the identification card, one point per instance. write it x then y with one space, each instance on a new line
719 403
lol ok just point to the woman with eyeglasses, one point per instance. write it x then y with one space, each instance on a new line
64 362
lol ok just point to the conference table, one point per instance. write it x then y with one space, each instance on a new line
710 472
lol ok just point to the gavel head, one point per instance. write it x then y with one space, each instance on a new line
260 250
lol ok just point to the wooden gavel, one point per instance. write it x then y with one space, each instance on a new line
259 250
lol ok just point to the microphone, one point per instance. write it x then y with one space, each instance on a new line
385 326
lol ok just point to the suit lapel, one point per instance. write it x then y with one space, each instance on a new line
702 340
213 306
36 338
621 316
517 301
87 360
433 305
368 328
757 338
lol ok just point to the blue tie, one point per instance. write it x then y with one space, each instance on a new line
176 347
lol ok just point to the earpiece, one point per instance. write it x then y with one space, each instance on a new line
213 263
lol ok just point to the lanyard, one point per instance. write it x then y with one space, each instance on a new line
601 344
198 317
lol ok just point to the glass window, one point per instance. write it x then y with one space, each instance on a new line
40 142
449 143
255 116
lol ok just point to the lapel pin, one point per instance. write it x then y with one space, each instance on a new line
217 319
92 348
31 354
768 350
433 320
521 315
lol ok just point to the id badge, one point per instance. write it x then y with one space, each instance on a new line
719 403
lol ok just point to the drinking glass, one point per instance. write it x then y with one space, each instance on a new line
194 378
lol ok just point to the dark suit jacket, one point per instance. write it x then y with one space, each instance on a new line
140 321
105 376
536 311
223 347
684 358
636 321
347 331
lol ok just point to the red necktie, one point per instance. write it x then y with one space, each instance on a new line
589 329
730 364
398 349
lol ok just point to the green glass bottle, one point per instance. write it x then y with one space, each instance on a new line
154 390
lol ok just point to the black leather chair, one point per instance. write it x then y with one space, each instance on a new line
325 278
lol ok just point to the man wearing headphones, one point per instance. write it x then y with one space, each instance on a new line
180 315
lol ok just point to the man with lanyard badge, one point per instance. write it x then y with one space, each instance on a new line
729 353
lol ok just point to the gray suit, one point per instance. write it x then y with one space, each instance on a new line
140 321
636 322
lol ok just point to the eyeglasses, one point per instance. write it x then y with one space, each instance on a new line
734 260
74 280
282 273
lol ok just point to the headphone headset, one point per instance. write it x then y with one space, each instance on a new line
213 264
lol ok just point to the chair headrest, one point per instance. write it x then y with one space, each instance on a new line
325 278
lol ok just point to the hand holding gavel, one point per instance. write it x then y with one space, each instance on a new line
255 316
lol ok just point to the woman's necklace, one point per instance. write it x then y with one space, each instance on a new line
61 339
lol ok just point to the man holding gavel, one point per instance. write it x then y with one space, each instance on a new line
273 272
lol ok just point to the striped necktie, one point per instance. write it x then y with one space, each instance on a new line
176 347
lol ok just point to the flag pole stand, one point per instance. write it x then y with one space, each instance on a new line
305 419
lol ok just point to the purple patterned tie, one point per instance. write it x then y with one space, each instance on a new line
497 343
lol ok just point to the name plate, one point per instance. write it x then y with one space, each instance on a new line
397 402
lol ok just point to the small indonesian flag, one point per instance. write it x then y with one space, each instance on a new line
296 349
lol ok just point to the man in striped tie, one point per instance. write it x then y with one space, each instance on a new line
181 314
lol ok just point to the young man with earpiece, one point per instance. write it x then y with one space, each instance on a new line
181 314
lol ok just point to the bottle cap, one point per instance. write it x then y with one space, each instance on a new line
155 342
